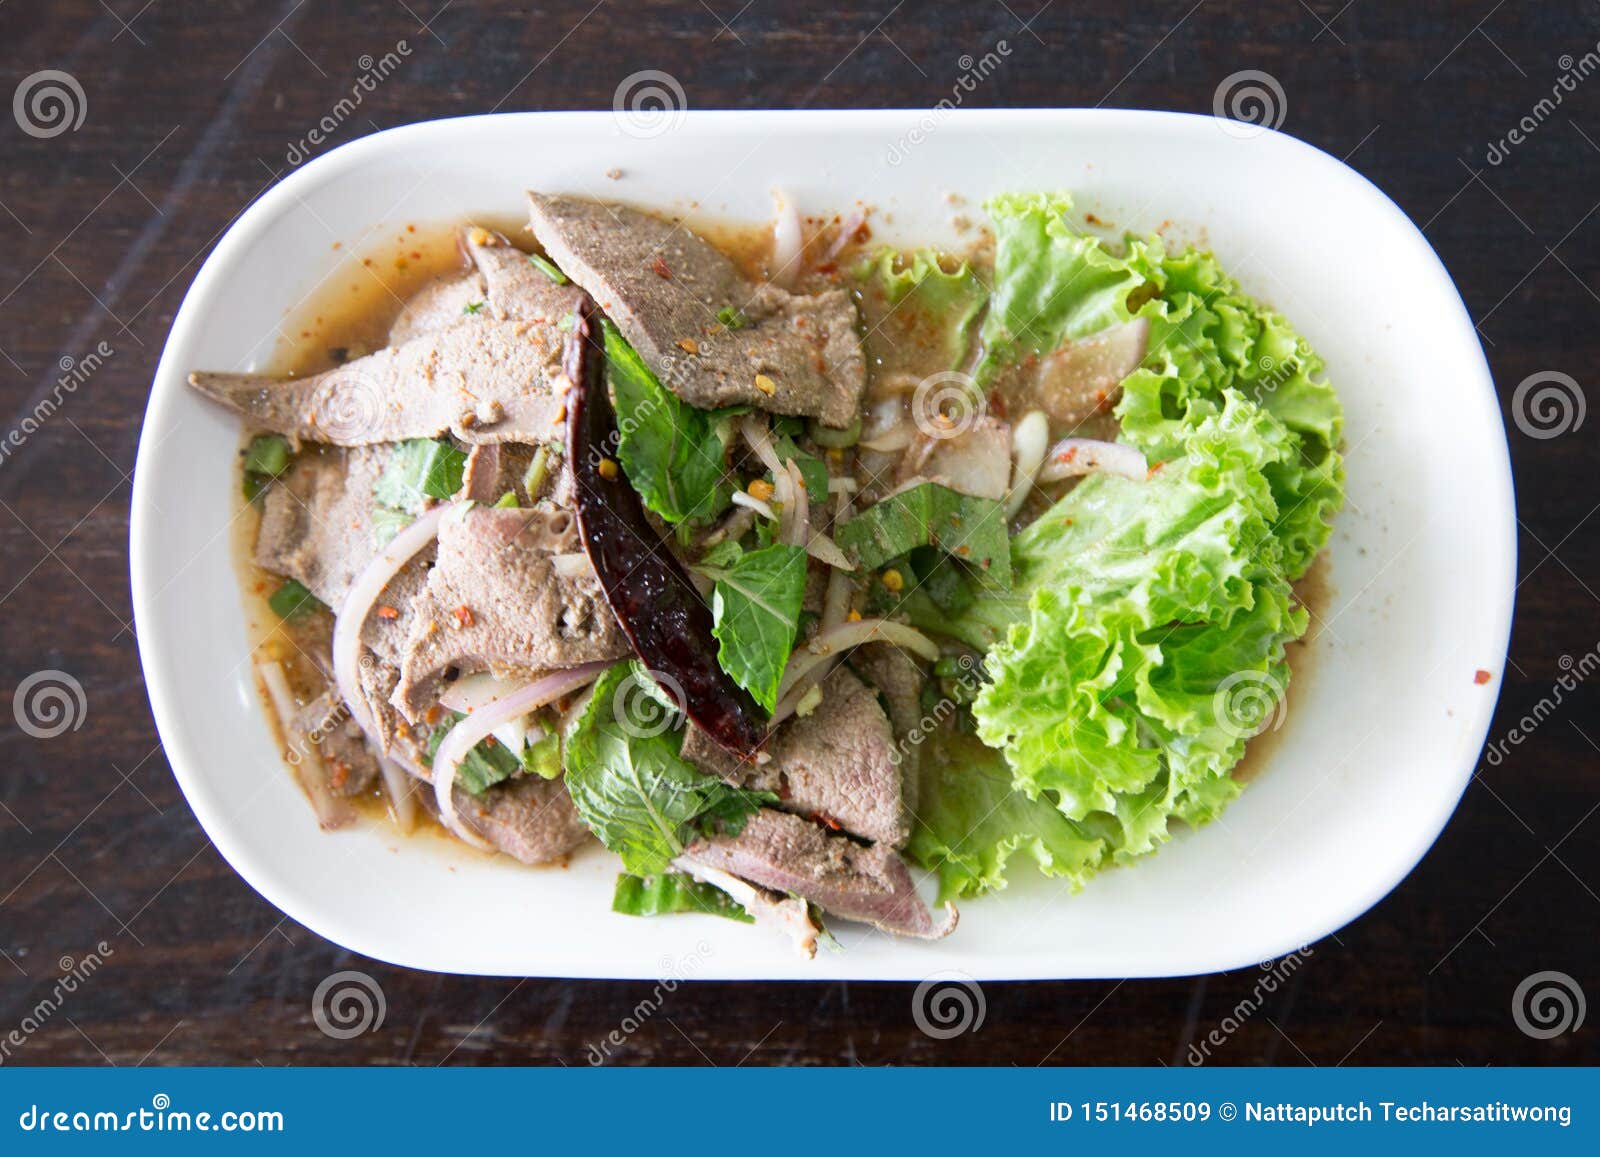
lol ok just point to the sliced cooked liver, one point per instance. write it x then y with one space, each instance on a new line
317 526
663 286
785 853
528 818
491 381
326 722
440 304
837 764
494 601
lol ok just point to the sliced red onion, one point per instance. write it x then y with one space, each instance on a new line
469 732
828 644
478 690
788 241
847 230
1072 457
1029 438
364 592
332 812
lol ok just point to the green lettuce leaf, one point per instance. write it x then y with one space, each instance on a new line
673 454
1138 605
755 606
941 305
1052 283
631 785
971 821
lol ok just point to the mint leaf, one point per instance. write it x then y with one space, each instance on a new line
672 452
631 785
756 607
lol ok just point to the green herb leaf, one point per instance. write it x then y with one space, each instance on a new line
543 758
672 892
292 601
730 317
672 452
972 530
485 765
756 607
472 307
267 454
813 471
419 469
629 782
547 267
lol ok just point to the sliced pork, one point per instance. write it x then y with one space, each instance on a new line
497 599
784 853
713 336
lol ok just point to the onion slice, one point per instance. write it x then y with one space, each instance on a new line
751 502
365 591
1029 437
469 732
1072 457
788 241
399 789
828 644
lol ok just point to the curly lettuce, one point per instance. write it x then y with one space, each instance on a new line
1139 609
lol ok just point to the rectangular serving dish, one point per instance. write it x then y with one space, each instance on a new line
1385 718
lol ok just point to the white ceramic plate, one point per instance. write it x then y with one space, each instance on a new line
1385 721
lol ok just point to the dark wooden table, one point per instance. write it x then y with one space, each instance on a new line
188 106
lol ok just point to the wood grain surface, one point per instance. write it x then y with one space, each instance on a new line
189 111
